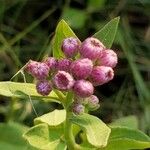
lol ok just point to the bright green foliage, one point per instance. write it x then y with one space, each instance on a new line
62 31
96 131
107 34
23 90
48 131
11 137
45 137
122 138
54 118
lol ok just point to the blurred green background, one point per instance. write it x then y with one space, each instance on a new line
27 27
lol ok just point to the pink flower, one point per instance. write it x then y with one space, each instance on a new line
91 48
70 47
63 80
37 69
64 65
81 68
101 75
83 88
51 62
108 58
43 87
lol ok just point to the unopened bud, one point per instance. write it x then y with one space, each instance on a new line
83 88
70 47
63 80
81 68
108 58
91 48
78 109
101 75
64 65
43 87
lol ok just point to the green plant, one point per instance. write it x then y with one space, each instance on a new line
59 129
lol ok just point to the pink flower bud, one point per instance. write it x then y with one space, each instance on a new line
37 69
51 63
81 68
83 88
91 48
30 65
70 47
108 58
78 108
93 102
101 75
43 87
63 80
64 65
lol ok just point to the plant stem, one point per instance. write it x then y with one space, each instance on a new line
68 132
69 137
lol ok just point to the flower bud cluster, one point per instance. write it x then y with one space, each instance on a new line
93 67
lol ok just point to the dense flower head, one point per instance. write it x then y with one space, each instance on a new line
51 62
77 75
70 47
101 75
64 64
108 58
63 80
43 87
78 108
38 70
91 48
81 68
83 88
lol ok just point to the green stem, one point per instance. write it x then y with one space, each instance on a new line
68 133
69 137
60 95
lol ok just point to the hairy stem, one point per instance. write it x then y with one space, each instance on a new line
69 137
70 141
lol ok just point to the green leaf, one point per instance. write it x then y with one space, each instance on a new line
96 131
44 137
23 90
85 144
62 31
107 34
71 15
11 136
129 121
54 118
122 138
